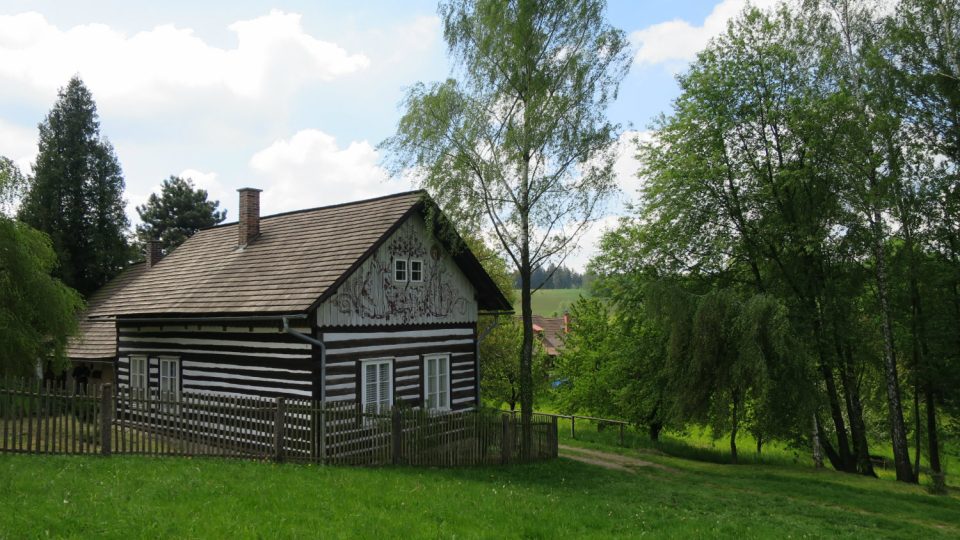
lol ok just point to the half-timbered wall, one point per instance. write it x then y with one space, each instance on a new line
223 360
348 347
371 296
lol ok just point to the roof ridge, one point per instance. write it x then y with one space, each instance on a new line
315 208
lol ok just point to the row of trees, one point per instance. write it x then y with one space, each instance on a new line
553 277
793 268
64 231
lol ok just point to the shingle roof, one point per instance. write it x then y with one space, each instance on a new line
552 329
298 258
97 338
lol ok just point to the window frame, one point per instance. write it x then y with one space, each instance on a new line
406 269
410 262
436 357
388 361
175 361
139 391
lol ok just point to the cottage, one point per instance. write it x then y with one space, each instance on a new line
352 302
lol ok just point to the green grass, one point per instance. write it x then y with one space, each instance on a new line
123 497
551 302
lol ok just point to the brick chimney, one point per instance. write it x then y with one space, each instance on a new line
249 224
154 252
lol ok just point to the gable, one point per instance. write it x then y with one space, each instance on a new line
371 295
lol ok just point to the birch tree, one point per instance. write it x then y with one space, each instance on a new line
517 142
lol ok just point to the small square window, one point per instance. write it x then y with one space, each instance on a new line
400 270
416 270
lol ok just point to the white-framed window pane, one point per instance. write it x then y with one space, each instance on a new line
437 380
377 385
400 270
416 270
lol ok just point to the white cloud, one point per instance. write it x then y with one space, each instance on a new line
216 191
272 53
311 169
680 41
19 144
627 165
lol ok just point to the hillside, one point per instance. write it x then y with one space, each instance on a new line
586 495
552 302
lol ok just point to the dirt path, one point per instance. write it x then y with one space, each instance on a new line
607 460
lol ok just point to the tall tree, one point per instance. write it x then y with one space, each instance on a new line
37 311
176 213
76 196
521 141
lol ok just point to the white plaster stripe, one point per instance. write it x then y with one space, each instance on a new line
340 377
407 378
226 342
215 384
462 388
221 353
207 365
351 336
222 375
340 386
345 397
408 387
395 346
463 400
341 364
461 371
127 328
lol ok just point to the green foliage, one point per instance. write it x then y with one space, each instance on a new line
179 211
500 364
76 196
37 311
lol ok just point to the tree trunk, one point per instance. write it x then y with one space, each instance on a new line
759 444
846 462
655 427
898 432
858 428
828 448
933 444
919 432
815 440
526 310
734 421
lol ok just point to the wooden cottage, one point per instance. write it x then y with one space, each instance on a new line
352 302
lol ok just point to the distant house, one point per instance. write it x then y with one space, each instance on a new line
352 302
551 331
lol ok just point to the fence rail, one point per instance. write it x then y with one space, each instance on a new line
621 424
48 420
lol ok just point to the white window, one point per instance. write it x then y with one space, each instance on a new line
138 377
436 370
377 385
416 270
400 270
169 379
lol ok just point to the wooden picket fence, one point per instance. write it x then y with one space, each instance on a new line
44 419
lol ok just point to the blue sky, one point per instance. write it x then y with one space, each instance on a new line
291 97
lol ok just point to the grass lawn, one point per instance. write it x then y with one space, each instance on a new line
123 497
552 302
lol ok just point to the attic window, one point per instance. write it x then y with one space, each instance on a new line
400 270
416 270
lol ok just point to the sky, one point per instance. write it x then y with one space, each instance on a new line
290 97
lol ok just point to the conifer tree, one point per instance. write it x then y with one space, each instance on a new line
76 196
177 213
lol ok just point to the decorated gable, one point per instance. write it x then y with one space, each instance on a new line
410 279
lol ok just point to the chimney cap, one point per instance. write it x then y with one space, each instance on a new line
241 190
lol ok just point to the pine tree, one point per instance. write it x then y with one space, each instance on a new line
76 196
177 213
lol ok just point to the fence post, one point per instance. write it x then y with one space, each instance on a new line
278 422
106 415
506 446
397 435
554 437
621 434
573 427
